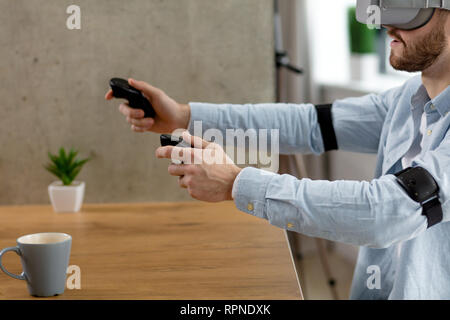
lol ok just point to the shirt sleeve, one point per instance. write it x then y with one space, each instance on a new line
357 122
375 214
297 125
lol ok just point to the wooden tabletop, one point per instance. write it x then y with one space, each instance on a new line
159 251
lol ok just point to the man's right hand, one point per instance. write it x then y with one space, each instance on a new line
170 115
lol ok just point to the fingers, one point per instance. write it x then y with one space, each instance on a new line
195 141
164 152
182 181
183 171
109 95
135 117
130 112
147 89
178 169
185 155
138 129
145 123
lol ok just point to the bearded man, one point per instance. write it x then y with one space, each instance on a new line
399 219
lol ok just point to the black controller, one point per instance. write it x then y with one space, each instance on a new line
169 140
136 100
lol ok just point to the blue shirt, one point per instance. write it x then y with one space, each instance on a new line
377 215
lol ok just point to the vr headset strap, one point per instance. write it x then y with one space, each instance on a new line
415 4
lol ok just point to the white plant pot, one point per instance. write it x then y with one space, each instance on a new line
363 66
66 198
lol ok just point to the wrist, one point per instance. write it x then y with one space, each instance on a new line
236 171
185 115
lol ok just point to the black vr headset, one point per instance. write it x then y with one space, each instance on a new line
401 14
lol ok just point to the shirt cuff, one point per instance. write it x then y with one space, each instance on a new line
234 190
249 191
204 113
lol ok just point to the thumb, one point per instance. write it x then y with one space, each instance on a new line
145 88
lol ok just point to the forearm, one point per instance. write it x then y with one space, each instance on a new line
375 214
297 126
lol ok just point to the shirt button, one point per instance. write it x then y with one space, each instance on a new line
433 107
429 132
250 207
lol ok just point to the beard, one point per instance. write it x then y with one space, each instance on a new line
420 54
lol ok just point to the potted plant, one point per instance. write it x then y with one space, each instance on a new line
66 195
363 60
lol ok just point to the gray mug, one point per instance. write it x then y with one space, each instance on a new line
45 258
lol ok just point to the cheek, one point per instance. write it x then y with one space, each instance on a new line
413 35
412 41
446 20
409 38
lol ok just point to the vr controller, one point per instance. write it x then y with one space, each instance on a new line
136 100
169 140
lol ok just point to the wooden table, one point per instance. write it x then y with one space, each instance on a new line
159 251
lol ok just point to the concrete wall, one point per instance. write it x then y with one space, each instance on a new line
52 83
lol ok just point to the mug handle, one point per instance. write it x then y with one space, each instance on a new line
15 276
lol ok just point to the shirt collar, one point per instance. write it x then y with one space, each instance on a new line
442 102
420 98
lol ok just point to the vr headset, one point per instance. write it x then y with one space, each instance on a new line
401 14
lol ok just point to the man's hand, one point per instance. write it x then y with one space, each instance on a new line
170 115
208 173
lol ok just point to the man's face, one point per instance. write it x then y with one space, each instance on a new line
417 50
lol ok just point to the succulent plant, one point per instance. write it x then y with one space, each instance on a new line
65 165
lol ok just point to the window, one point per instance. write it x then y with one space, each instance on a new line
329 43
